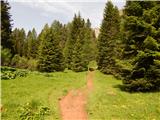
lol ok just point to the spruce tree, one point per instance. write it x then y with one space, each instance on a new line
142 41
31 44
89 46
74 33
6 26
50 54
77 64
78 49
18 38
107 39
61 32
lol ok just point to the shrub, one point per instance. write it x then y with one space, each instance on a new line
15 60
8 75
24 63
21 73
33 111
138 85
5 56
12 73
32 64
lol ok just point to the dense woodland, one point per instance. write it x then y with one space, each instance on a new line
128 45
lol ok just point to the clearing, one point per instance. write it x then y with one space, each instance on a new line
105 101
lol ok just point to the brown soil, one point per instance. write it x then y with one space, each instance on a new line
72 106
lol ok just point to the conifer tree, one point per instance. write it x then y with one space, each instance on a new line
74 33
107 39
6 26
77 58
142 45
31 44
78 49
50 54
61 32
89 46
18 38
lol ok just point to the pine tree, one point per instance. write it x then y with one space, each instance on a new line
142 41
77 64
74 32
6 25
61 32
89 46
50 54
18 37
107 39
31 44
79 44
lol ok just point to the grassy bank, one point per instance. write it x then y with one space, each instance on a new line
108 102
40 88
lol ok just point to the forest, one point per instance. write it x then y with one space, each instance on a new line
125 54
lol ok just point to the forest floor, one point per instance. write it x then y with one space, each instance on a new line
73 105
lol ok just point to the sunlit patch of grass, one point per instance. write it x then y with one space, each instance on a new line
46 88
108 102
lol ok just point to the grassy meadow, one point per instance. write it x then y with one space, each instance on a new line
44 88
108 102
105 102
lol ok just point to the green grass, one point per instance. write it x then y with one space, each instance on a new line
43 88
105 102
108 102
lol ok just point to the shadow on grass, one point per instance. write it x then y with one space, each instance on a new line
125 89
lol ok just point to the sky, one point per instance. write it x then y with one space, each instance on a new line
29 14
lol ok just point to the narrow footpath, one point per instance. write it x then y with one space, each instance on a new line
73 105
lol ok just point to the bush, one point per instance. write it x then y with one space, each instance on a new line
24 63
15 60
8 75
19 62
5 56
32 64
12 73
139 85
21 73
33 111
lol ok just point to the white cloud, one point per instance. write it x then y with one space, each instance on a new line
65 9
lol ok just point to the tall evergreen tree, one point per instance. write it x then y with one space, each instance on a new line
89 46
18 38
107 38
31 44
74 33
142 41
61 32
78 46
6 25
50 54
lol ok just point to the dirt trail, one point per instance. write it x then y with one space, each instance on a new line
72 106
